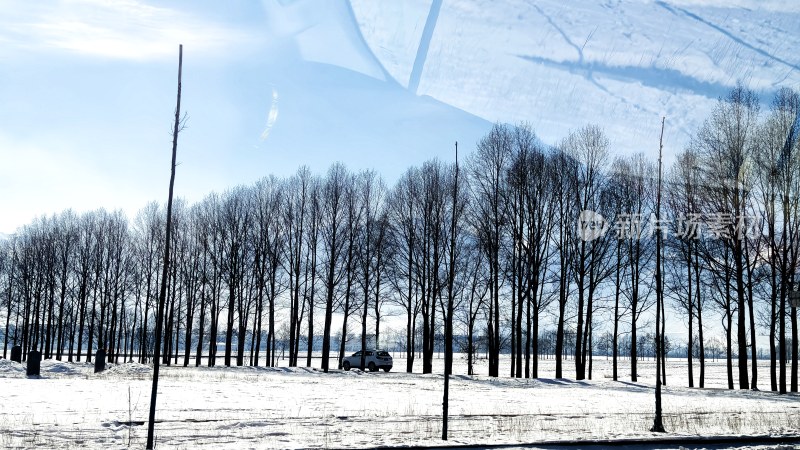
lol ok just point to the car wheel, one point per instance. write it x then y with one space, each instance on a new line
372 367
386 369
346 365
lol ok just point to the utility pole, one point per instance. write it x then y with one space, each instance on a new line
165 269
448 327
658 425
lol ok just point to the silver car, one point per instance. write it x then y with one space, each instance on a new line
373 360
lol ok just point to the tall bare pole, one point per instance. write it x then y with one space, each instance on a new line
448 328
658 425
164 273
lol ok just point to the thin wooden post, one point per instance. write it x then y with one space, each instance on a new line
658 425
165 269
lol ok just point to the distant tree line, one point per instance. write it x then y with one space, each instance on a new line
530 237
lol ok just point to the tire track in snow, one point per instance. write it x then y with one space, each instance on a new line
581 63
560 31
424 45
728 34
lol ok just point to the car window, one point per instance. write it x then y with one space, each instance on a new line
358 353
369 353
383 353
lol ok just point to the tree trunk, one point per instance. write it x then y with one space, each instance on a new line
699 303
229 331
728 346
794 349
741 334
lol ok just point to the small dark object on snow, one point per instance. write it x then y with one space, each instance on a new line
34 363
100 360
16 354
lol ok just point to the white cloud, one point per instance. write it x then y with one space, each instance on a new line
272 117
126 29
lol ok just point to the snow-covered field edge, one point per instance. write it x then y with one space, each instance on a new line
256 407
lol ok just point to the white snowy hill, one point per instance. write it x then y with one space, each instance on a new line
560 65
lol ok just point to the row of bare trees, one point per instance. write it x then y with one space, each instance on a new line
741 175
527 237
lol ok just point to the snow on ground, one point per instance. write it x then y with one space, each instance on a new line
257 407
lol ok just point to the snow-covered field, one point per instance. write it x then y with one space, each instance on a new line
249 407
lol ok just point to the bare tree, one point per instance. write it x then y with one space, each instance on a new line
7 273
725 144
334 236
634 180
529 197
268 242
402 208
777 161
232 223
371 191
431 253
354 216
295 213
588 146
567 216
310 272
488 168
682 268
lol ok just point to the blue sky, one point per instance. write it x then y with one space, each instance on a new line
88 93
87 87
